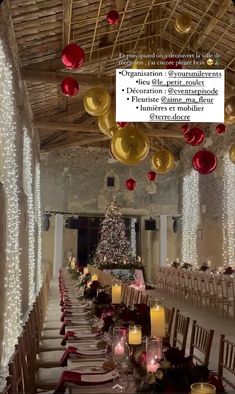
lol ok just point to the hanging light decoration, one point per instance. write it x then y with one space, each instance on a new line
130 184
151 176
184 128
69 87
39 226
194 136
97 101
163 161
73 56
232 153
113 17
122 124
204 162
183 23
220 128
130 145
230 106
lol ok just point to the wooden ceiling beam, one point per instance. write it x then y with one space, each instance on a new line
66 143
55 126
57 77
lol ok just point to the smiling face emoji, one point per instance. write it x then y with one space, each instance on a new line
210 62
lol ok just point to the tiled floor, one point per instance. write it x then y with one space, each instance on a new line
205 317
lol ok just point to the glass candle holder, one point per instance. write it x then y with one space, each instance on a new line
135 335
157 317
202 388
120 348
153 353
116 293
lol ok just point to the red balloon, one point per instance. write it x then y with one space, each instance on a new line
204 162
194 136
220 128
130 184
122 124
173 63
69 87
113 17
152 175
185 128
73 56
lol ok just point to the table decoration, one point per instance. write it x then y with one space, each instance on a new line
153 353
116 293
135 335
157 317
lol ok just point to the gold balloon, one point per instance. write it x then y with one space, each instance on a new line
230 106
163 161
228 120
97 101
129 145
107 123
183 23
232 153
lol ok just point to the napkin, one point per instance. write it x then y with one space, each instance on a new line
83 379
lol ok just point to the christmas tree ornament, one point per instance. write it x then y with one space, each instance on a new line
113 248
184 128
73 56
122 124
130 145
173 63
232 153
97 101
151 176
163 161
107 123
220 128
194 136
113 17
183 23
230 106
69 87
204 162
130 184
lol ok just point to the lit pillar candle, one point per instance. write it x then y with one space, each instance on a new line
94 277
203 388
157 316
73 264
135 335
116 294
119 350
152 366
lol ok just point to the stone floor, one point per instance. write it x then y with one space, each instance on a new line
206 318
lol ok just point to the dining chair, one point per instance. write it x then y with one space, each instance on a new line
8 386
180 331
201 341
226 365
15 370
169 317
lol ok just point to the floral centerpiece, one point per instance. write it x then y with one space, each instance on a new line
176 373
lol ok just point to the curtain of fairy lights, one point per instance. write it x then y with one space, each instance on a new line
8 131
133 236
228 212
190 217
28 182
39 222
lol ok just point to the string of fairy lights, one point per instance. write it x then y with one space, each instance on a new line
13 291
190 217
228 211
38 219
28 183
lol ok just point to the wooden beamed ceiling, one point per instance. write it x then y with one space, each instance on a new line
41 29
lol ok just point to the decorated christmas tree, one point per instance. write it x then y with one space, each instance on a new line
113 249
